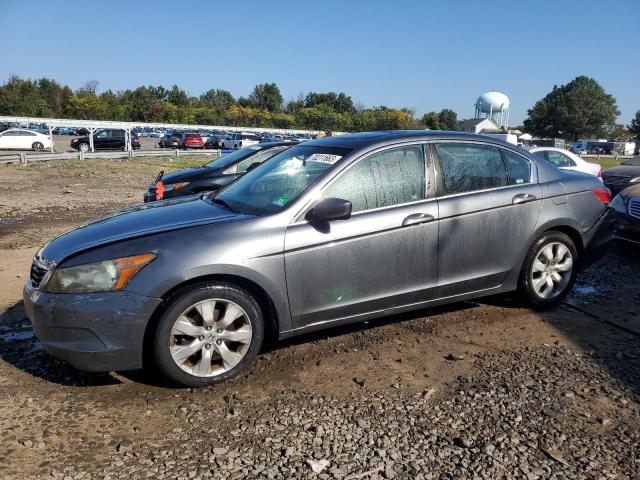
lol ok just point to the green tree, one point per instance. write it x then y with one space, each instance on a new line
634 126
339 102
448 119
219 100
581 108
266 96
431 120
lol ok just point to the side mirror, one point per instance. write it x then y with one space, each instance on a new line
330 209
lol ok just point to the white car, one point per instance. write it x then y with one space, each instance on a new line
567 161
235 141
22 139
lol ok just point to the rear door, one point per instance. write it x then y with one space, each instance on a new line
489 203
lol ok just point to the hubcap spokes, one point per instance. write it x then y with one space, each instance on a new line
210 337
551 270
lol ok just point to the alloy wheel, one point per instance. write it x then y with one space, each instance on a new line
210 338
551 270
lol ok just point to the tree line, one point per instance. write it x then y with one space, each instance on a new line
579 109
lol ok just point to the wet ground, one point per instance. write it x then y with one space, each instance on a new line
484 389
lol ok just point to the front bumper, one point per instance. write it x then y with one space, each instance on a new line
626 228
96 332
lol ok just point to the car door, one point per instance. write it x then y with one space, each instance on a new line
489 202
101 139
383 256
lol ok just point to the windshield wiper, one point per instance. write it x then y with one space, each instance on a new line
219 201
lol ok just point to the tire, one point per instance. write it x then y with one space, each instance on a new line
182 333
549 270
37 147
83 147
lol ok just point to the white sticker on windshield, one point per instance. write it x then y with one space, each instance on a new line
324 158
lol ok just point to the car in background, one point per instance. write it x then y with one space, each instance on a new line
106 139
155 134
22 139
328 232
170 140
215 140
235 141
625 175
626 206
191 140
214 175
567 161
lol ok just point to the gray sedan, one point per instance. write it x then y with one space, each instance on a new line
328 232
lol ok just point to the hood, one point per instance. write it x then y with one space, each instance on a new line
135 222
184 175
630 192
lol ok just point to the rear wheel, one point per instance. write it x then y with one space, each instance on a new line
37 146
208 334
549 270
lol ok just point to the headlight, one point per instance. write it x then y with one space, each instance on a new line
634 180
174 186
618 205
97 277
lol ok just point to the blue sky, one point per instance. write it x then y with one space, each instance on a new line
417 54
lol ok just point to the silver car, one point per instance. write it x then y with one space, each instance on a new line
328 232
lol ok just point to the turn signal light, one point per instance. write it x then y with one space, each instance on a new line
603 194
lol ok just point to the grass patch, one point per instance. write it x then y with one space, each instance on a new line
605 162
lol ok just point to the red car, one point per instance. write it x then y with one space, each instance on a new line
191 140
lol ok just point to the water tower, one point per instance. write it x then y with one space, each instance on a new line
493 105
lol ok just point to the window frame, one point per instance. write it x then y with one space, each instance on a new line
438 172
430 190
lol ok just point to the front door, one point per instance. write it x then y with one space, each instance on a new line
489 204
384 256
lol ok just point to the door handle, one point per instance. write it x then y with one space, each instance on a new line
416 218
523 198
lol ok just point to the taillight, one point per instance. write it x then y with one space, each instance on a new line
599 174
159 190
603 194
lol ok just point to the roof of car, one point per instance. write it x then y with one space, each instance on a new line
364 139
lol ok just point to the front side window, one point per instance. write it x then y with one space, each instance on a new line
559 159
469 167
383 179
273 185
519 168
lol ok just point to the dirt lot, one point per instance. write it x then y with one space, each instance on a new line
473 390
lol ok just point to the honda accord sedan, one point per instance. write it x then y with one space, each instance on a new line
329 232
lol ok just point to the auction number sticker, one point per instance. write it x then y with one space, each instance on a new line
324 158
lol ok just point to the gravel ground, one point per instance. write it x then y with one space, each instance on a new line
473 390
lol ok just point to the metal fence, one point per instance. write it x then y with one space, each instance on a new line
26 158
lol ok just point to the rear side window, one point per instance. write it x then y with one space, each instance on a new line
258 158
469 168
383 179
519 168
559 159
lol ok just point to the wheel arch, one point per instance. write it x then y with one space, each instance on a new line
265 302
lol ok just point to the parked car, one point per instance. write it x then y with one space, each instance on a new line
235 141
567 161
170 140
328 232
191 140
106 139
155 134
21 139
625 175
214 175
215 140
626 206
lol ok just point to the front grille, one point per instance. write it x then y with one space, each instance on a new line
38 271
634 207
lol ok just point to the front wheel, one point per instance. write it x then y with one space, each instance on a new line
549 270
209 333
84 147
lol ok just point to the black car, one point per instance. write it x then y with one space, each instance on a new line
626 206
215 140
214 175
170 140
106 139
623 176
